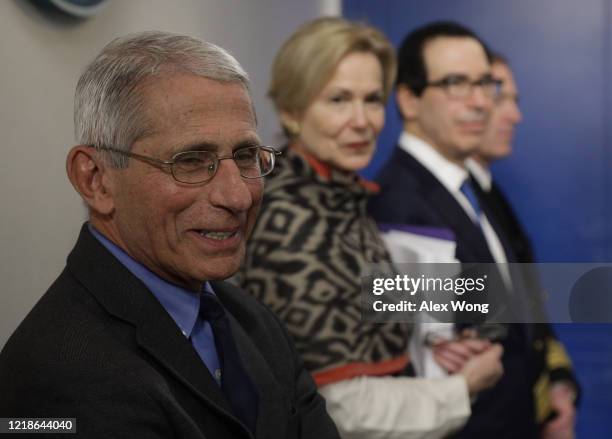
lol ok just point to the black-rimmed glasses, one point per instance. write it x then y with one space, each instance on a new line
194 167
461 87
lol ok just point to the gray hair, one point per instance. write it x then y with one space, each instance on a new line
109 108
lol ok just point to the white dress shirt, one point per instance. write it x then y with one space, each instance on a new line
481 174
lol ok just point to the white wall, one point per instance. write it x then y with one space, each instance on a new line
41 59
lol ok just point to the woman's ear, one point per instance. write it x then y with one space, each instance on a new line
407 102
89 174
290 123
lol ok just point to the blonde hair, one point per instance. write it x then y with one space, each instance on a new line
308 59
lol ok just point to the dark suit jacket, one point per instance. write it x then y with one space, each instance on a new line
410 194
551 359
499 207
100 348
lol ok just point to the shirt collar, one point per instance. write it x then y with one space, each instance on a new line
448 173
182 305
481 174
327 172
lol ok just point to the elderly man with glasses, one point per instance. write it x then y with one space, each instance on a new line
139 337
445 94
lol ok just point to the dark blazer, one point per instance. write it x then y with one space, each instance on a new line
499 207
100 348
410 194
551 359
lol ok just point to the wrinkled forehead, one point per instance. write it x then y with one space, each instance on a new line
455 55
192 109
184 92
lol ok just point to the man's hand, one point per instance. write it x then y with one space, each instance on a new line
483 370
562 401
452 355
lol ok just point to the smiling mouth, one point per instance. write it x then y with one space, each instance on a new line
217 236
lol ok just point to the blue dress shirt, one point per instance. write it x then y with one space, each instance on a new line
182 305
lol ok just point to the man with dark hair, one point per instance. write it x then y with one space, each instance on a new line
139 337
556 387
412 70
445 93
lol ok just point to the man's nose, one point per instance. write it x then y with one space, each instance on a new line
516 114
229 189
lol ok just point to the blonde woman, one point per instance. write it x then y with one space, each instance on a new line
314 240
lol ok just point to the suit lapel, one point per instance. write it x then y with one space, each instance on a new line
521 245
450 211
121 294
158 334
470 235
500 216
272 401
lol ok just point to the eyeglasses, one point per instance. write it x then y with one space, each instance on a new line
461 87
194 167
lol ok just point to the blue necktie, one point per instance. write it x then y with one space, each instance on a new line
468 190
235 382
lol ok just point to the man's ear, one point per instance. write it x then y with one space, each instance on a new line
89 174
407 102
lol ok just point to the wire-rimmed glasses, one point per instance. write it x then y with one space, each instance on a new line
195 167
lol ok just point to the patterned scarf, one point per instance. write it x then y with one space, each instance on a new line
312 244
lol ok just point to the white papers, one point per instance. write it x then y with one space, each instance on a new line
411 244
409 247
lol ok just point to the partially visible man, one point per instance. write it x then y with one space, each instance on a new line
445 93
138 337
556 388
496 144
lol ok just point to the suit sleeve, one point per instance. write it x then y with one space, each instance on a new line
558 362
556 368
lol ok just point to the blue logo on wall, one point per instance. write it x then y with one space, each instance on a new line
75 8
